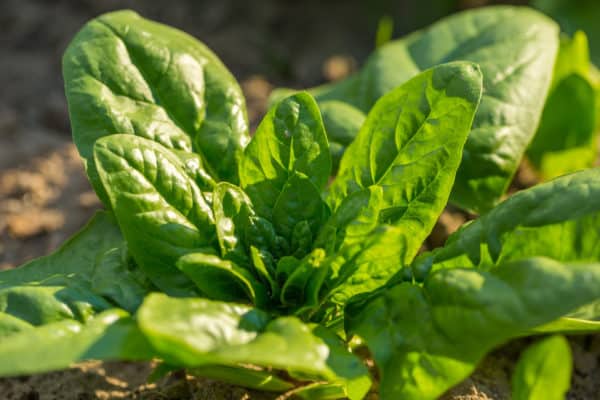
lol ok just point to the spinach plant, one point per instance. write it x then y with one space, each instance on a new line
235 259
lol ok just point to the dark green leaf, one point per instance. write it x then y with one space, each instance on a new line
515 48
559 219
426 339
125 74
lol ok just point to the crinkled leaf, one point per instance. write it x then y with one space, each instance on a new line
289 141
126 74
515 48
232 209
543 371
111 335
160 209
425 339
222 279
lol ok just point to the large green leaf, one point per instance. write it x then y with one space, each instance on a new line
515 48
160 209
111 335
400 171
125 74
289 141
543 371
425 339
558 219
197 332
77 279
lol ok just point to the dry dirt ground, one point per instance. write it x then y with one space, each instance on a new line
45 197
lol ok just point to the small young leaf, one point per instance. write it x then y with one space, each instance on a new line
289 141
543 371
232 210
222 280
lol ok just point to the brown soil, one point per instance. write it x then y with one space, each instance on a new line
45 197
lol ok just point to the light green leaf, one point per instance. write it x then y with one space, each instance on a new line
543 371
409 148
161 211
566 138
126 74
289 141
425 339
111 335
197 332
558 219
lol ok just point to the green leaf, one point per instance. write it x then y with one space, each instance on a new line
425 339
222 279
342 123
289 142
111 335
558 219
515 48
250 378
400 171
126 74
543 371
198 332
299 203
161 211
77 279
232 209
75 258
565 141
54 299
296 287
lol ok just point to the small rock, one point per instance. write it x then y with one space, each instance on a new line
447 224
89 200
8 121
34 222
55 114
338 67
